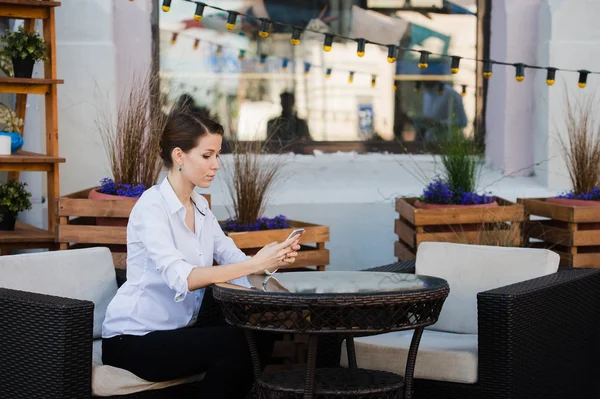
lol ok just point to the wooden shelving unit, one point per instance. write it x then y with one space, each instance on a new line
26 236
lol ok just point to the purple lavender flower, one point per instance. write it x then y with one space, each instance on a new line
593 195
440 192
108 186
264 223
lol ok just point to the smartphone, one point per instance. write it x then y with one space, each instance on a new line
295 232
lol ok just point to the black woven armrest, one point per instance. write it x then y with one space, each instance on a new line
45 346
398 267
540 338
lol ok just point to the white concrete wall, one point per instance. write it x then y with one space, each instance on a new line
100 43
570 38
86 59
510 104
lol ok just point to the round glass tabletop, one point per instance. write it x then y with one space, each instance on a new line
342 282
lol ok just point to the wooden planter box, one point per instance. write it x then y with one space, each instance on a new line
571 231
77 229
310 255
77 224
457 225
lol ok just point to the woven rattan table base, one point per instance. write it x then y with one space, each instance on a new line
332 383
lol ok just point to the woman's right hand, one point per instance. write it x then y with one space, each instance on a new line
271 255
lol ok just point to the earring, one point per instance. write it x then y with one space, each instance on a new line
179 169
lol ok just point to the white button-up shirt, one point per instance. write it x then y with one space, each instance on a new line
161 253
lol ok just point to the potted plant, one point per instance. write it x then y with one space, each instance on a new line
572 219
24 49
252 175
10 125
451 209
98 215
13 199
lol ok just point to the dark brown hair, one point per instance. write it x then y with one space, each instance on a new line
183 129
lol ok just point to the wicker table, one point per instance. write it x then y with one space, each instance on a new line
344 303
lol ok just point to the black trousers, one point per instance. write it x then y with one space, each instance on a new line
220 351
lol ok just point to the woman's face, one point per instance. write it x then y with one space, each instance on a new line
201 163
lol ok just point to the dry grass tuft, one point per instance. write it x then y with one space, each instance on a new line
581 148
251 179
132 139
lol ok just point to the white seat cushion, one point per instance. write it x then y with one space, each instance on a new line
441 356
86 274
471 269
113 381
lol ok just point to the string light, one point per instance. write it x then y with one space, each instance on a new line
328 73
360 50
520 72
455 64
306 68
174 37
583 73
196 44
296 36
231 20
328 42
242 55
373 80
264 28
464 90
284 64
351 77
198 14
392 50
487 69
550 76
424 59
417 87
394 86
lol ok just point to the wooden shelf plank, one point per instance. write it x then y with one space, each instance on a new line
27 86
25 233
28 162
26 9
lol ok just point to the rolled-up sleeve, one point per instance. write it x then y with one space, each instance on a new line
225 251
151 225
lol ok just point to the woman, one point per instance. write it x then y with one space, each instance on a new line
172 238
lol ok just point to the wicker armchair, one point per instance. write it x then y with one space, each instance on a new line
46 347
537 339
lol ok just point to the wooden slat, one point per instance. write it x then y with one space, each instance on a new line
30 3
253 239
546 231
27 157
565 213
95 208
402 252
510 237
120 260
24 234
92 234
507 212
406 233
405 209
585 260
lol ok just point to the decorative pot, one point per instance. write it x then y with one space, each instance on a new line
100 221
424 205
16 141
23 68
572 202
7 221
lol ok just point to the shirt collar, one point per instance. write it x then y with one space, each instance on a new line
172 200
